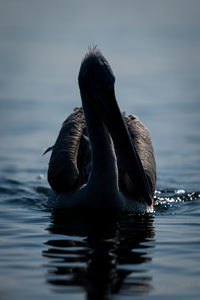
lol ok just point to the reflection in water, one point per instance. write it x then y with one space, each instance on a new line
99 254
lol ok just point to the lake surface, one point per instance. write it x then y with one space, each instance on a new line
154 52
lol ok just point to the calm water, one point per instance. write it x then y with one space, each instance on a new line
154 52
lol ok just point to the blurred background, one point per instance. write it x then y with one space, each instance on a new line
153 48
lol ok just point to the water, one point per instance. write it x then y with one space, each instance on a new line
154 52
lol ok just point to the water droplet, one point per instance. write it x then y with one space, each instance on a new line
40 177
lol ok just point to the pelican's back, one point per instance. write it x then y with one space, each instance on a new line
70 161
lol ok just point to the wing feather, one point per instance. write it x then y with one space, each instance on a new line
63 173
141 140
70 161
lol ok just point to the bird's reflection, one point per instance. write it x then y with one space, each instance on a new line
101 254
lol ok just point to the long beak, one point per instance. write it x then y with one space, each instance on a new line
107 109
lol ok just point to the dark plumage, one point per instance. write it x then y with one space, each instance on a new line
70 163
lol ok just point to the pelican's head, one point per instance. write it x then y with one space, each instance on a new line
96 82
95 75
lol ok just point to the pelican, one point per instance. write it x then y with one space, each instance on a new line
102 159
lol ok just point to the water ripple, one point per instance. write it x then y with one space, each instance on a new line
169 201
100 258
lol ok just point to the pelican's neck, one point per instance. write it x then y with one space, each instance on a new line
104 171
